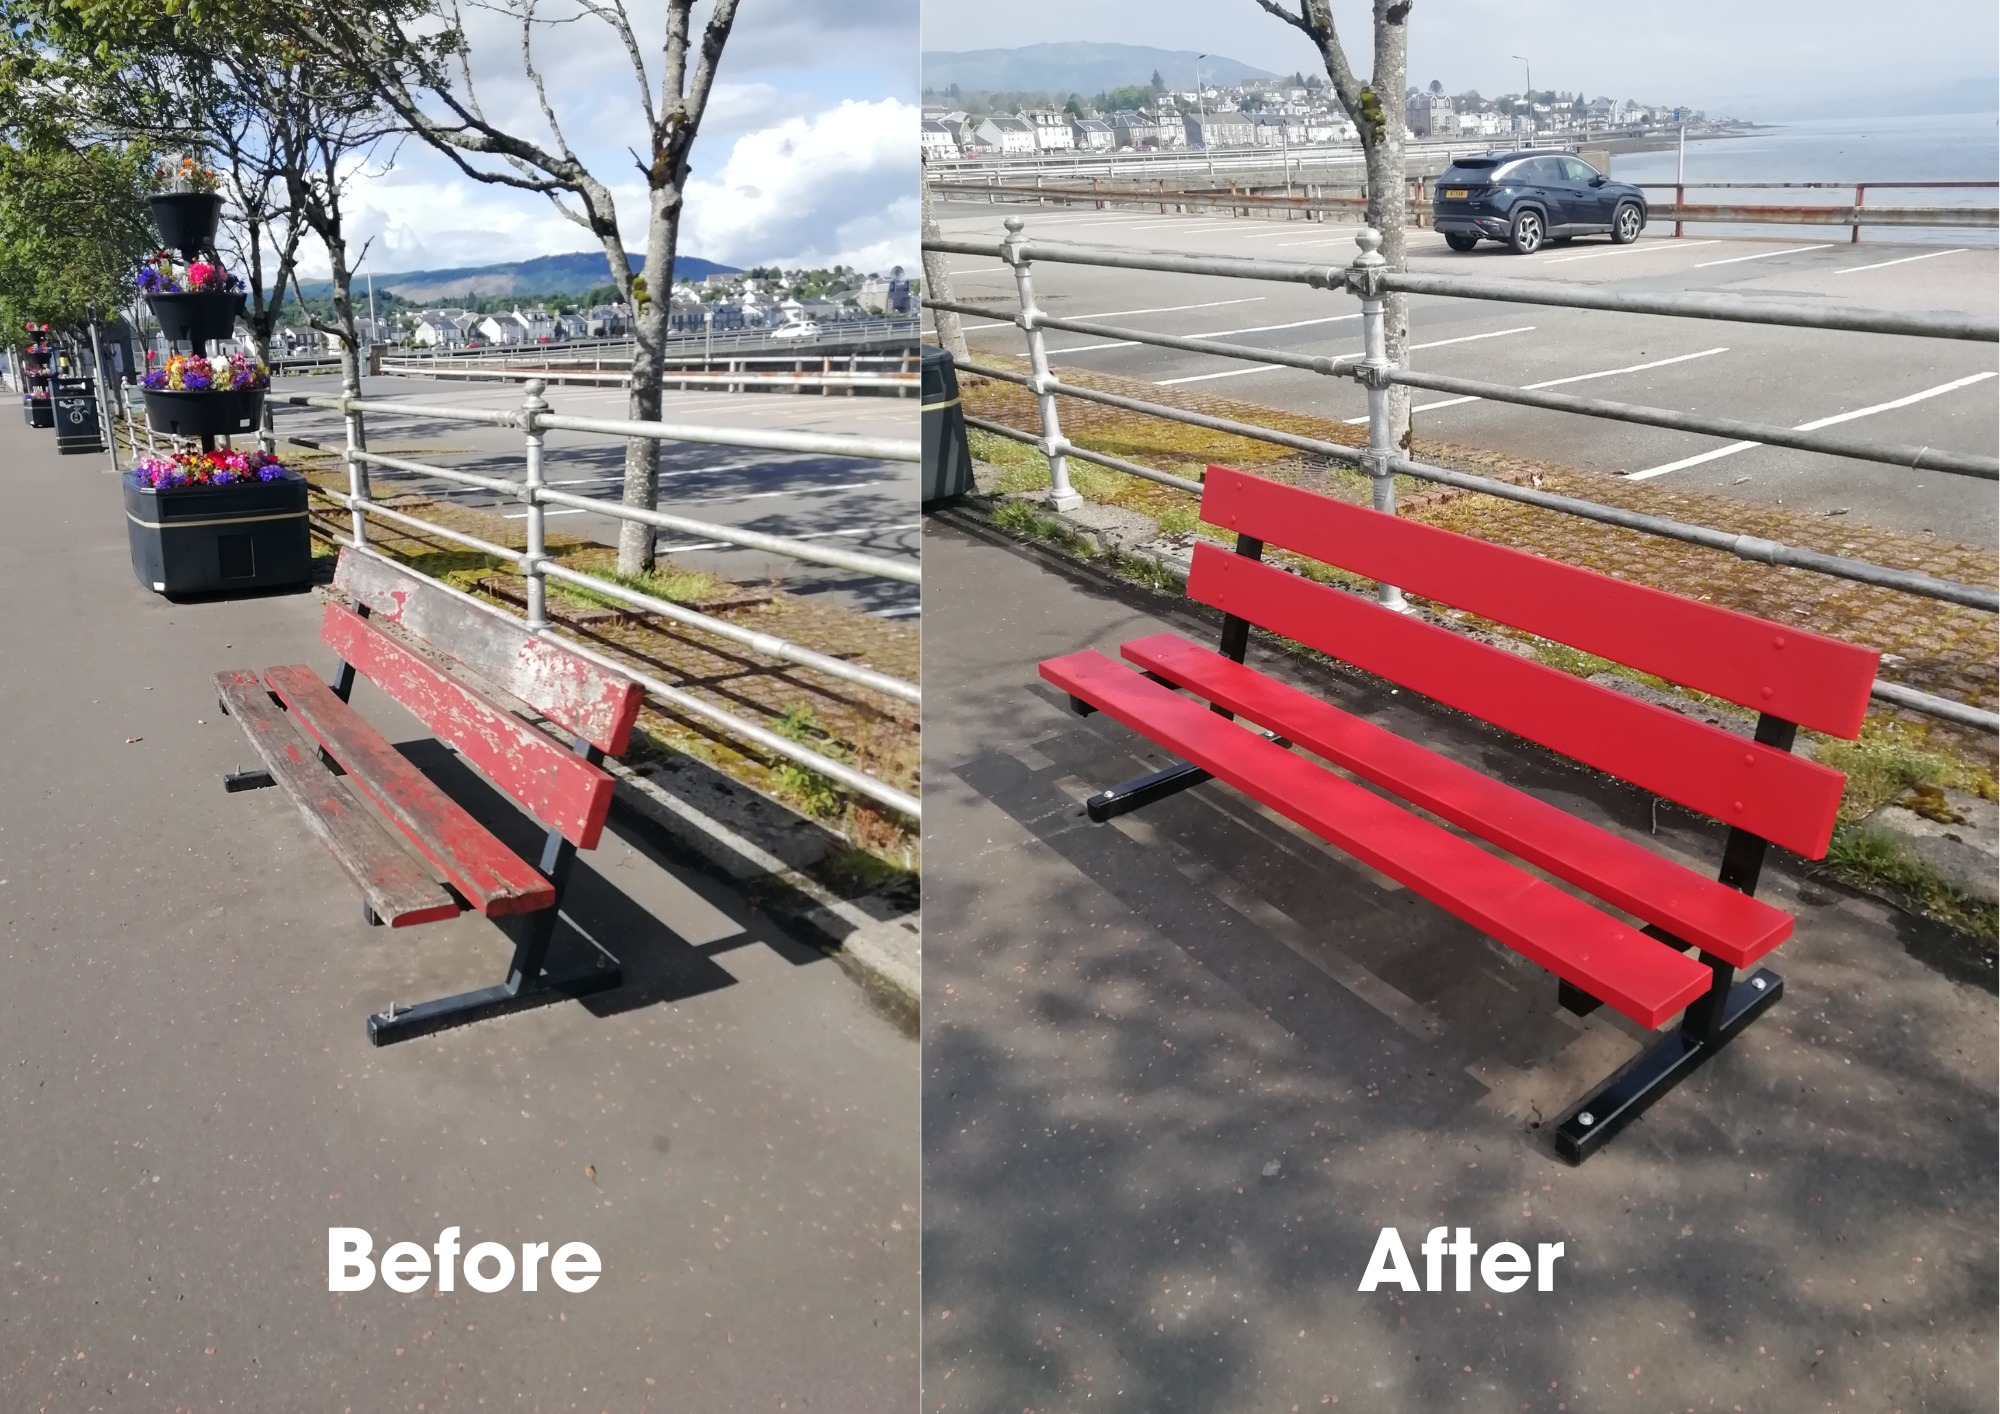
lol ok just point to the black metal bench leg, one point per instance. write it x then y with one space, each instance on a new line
1144 790
529 984
1709 1024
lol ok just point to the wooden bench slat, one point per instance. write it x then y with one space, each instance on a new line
1644 979
1782 798
400 891
597 704
1803 677
558 787
492 876
1710 915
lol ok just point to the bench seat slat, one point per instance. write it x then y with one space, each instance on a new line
557 787
1701 911
1644 979
597 704
1785 799
1803 677
397 887
492 876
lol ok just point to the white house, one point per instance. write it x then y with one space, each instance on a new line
1147 132
1093 135
1051 129
1010 137
937 142
441 329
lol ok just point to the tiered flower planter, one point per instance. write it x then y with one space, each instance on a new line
208 521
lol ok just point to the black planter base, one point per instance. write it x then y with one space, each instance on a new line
199 539
40 412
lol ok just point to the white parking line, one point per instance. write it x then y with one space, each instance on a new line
1212 334
1114 313
1885 264
1763 255
1274 367
1734 447
1558 382
1667 244
1339 237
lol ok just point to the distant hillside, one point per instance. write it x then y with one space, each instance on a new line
545 275
1076 67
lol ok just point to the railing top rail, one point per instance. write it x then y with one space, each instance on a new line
823 443
1832 186
1567 294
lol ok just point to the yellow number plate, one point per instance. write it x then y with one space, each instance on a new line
1456 193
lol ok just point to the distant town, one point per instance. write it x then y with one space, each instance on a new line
766 298
1301 111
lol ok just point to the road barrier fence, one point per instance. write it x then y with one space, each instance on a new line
1370 279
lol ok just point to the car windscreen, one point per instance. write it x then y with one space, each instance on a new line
1473 169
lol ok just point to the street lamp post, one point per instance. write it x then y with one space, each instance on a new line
1201 106
1530 75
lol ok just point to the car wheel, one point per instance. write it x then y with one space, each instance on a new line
1457 242
1527 233
1626 225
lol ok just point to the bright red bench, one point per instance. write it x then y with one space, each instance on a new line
482 683
1756 787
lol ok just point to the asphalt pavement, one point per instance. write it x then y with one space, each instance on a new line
860 504
1902 390
1181 1070
188 1099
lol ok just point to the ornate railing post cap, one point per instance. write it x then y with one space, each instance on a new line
1370 241
1015 225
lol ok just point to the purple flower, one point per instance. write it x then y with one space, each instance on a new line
157 379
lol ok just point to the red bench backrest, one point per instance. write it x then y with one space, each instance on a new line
1801 677
578 695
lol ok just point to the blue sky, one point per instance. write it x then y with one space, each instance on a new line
807 155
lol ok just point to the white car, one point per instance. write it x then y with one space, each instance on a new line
802 329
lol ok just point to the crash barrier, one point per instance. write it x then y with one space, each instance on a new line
1758 788
894 375
1321 202
1371 280
535 419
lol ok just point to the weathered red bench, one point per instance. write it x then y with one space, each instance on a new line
1757 787
481 682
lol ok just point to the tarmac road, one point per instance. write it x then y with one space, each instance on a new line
862 505
1890 389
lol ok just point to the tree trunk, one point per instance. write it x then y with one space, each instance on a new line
1388 195
650 317
937 284
343 313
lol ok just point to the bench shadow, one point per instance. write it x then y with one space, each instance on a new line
659 965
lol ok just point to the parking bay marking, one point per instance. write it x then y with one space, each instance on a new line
1885 264
1114 313
1734 447
1667 244
1765 255
1558 382
1275 367
1212 333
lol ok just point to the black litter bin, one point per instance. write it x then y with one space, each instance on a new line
77 425
947 458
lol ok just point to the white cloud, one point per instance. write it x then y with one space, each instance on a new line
833 187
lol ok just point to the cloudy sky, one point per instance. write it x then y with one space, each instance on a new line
807 155
1755 58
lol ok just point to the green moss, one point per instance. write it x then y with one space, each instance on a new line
800 786
1872 859
1887 761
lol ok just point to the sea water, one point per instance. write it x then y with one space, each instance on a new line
1952 147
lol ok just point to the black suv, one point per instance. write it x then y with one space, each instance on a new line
1526 198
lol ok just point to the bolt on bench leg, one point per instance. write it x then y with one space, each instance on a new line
1711 1023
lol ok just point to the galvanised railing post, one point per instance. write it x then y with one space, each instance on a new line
1062 497
532 406
1364 278
357 470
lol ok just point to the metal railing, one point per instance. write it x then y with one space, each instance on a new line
892 374
1318 203
1369 278
534 419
